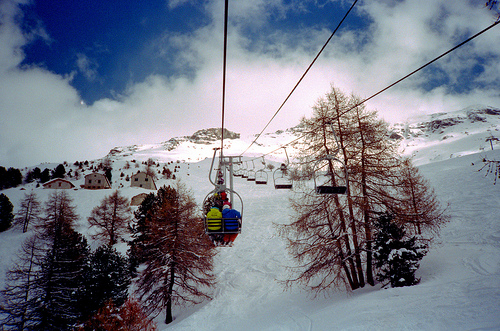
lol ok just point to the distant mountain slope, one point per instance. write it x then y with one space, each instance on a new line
441 136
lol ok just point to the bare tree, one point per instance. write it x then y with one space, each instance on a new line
29 211
179 256
19 299
331 235
110 218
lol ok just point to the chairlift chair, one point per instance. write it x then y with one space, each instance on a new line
281 176
219 225
261 175
328 184
251 173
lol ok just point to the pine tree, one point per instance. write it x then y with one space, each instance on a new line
6 215
29 211
397 257
106 277
178 255
110 218
62 268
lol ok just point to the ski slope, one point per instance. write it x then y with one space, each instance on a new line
460 276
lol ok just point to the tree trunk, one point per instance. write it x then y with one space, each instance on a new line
169 318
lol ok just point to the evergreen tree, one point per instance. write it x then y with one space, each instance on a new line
59 171
110 218
45 176
6 215
107 277
178 255
397 257
62 268
29 211
10 178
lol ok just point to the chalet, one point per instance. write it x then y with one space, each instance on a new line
96 181
59 183
141 179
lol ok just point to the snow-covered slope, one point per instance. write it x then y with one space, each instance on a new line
460 276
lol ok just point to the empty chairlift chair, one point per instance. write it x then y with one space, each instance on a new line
334 179
261 175
282 178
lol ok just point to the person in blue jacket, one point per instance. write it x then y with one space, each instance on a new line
232 223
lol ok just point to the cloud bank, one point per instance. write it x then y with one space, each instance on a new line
43 118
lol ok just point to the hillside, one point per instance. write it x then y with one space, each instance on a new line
460 276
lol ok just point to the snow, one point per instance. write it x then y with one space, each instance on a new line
460 275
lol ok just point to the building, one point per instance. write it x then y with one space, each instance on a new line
138 199
96 181
141 179
59 183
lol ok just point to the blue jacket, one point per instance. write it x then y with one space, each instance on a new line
231 225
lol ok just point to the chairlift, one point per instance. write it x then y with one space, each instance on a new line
244 171
251 173
221 226
325 182
261 175
281 176
217 226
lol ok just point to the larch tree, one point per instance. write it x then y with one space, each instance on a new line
110 218
20 297
178 255
62 267
331 234
29 211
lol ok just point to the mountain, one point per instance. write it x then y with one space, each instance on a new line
426 138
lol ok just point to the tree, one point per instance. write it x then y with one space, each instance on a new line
10 178
178 255
106 278
59 171
62 269
29 211
397 257
150 163
45 176
20 298
6 215
415 203
110 218
130 317
331 235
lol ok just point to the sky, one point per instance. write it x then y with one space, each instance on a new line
78 78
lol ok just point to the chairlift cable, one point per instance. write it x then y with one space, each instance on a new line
422 67
393 84
224 61
301 78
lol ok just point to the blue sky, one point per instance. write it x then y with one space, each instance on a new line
78 78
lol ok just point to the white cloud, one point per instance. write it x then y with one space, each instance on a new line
43 118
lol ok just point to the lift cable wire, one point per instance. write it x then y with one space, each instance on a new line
301 78
422 67
398 81
224 78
